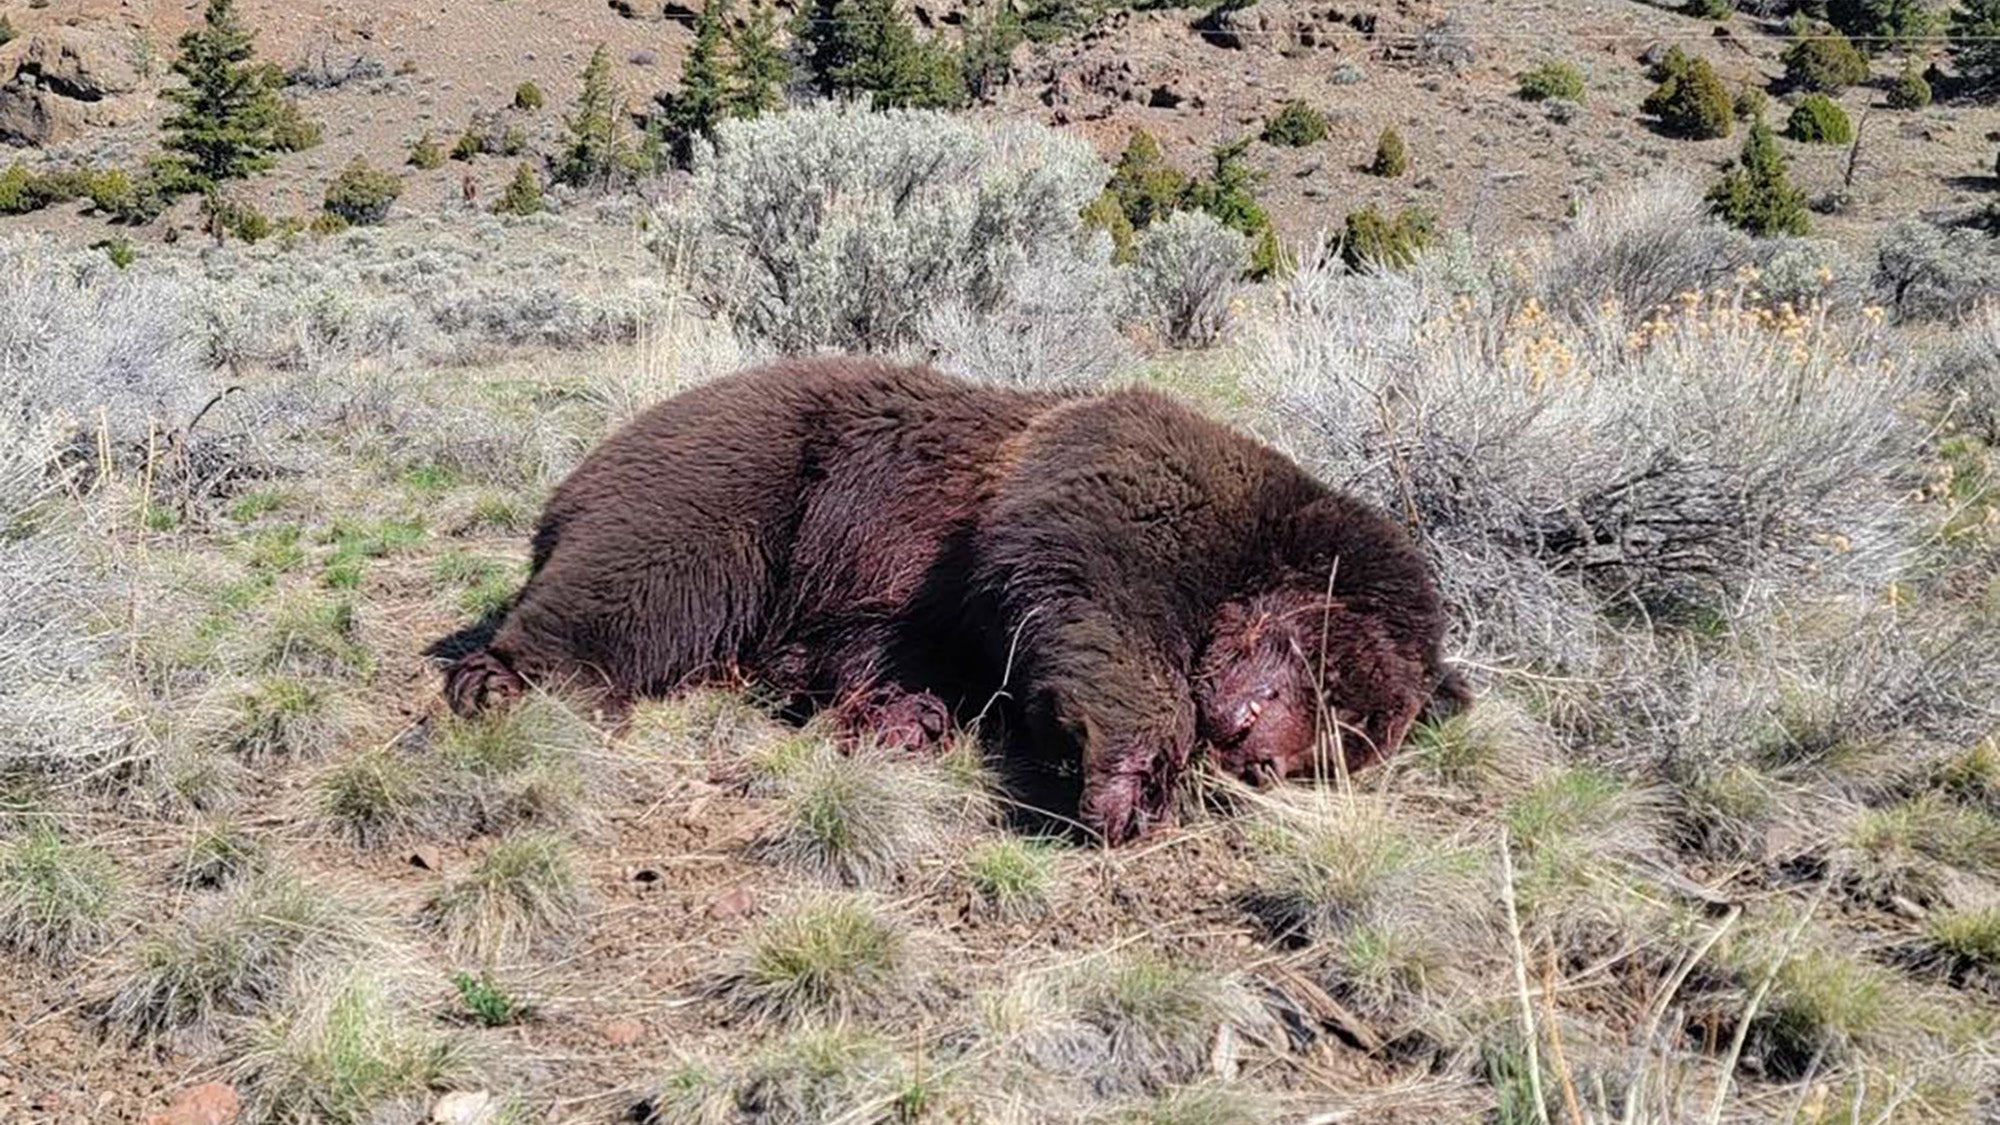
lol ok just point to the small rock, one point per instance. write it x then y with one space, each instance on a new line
425 857
464 1107
623 1033
211 1103
732 903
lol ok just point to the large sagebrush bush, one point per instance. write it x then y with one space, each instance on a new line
1566 464
59 716
836 227
1924 271
102 350
1060 329
1640 248
1185 276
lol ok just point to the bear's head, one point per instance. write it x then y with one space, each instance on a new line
1331 655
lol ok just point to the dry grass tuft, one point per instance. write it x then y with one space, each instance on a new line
529 767
523 891
218 853
381 794
235 955
57 899
1392 917
834 957
1128 1022
1209 1103
1013 876
278 716
351 1050
862 817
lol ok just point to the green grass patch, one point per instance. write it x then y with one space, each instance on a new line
1575 802
1012 875
252 506
56 898
834 957
524 890
485 1001
348 1051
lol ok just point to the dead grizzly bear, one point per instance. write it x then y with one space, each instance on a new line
1112 577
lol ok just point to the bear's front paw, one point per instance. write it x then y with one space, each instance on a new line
481 681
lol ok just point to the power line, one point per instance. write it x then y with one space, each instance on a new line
1433 34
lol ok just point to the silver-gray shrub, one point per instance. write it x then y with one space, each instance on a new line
60 716
835 227
1566 464
1967 369
1059 330
1185 275
1927 272
1641 248
107 351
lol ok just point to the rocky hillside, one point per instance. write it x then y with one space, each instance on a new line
82 81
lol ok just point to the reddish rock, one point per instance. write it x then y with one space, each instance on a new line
211 1103
734 902
624 1033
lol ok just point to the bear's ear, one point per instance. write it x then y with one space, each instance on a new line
1451 696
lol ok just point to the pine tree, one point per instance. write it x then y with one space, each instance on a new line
1392 158
1229 193
1146 186
524 193
597 145
986 56
855 47
1755 194
1975 42
222 130
703 97
757 80
1878 24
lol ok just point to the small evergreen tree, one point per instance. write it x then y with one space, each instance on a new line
524 193
1391 158
1145 185
1690 100
1373 240
596 141
1107 214
362 193
1751 103
757 81
222 128
1818 119
6 31
426 154
856 47
1975 43
1755 194
703 97
528 97
1229 193
291 129
1295 126
1882 24
1710 9
1827 63
1911 89
1549 81
987 54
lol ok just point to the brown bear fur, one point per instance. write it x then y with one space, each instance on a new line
1111 577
